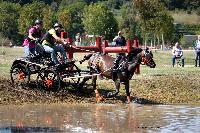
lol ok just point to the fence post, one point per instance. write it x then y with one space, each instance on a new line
98 43
104 46
137 44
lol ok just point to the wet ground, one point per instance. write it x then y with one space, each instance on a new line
68 110
17 96
159 89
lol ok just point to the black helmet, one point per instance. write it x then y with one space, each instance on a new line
38 21
57 25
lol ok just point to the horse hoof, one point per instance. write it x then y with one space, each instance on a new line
127 102
109 95
100 99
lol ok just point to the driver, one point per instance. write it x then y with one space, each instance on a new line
50 40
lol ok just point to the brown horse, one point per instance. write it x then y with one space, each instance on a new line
103 64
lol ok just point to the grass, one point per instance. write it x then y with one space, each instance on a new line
163 61
163 84
162 58
184 18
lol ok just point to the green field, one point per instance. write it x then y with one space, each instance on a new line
162 58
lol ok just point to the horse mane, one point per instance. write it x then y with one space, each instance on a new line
136 50
132 56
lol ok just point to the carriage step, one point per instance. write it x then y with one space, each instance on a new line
84 76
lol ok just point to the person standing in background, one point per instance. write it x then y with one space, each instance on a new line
120 41
177 53
78 39
197 51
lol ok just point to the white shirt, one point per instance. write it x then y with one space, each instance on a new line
177 51
197 45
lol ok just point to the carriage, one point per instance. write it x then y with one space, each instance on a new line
38 68
50 77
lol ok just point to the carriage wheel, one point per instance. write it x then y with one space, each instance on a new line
19 76
48 80
71 71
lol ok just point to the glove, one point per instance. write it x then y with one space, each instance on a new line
65 42
37 40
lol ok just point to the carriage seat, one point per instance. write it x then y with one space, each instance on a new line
41 51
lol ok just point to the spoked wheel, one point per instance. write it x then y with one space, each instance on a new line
19 76
69 75
48 80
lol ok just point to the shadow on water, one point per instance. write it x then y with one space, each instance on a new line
144 101
29 129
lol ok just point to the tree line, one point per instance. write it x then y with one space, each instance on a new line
141 19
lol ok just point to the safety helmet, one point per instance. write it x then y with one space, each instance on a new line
38 21
57 25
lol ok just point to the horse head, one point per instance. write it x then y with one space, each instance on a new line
140 56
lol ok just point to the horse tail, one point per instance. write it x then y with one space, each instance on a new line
86 57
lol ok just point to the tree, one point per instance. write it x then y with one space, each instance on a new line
153 17
76 11
99 20
48 17
29 13
114 4
23 2
64 17
129 21
9 13
66 3
191 4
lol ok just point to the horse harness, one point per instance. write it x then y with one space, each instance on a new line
95 63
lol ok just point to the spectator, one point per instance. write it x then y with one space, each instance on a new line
78 39
177 54
197 51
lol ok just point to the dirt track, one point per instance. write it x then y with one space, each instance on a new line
11 95
160 89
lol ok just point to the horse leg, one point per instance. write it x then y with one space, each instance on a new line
94 82
115 67
97 94
127 92
83 82
117 86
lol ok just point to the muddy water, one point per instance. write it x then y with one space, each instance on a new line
99 118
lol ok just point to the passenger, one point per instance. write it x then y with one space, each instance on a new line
197 50
50 43
177 53
34 33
